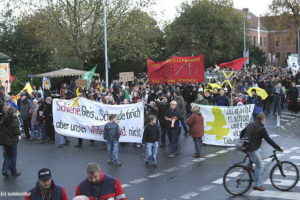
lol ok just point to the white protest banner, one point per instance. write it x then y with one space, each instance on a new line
83 118
224 124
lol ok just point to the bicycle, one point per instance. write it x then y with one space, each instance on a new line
238 178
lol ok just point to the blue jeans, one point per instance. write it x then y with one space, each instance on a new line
255 157
113 151
42 131
34 128
62 139
151 152
10 159
198 143
184 127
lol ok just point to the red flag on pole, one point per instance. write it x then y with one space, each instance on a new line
236 64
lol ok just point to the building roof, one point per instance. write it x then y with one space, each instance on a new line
4 58
253 20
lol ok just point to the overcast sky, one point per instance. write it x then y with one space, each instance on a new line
166 9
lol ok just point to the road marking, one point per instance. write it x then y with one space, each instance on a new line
222 151
206 188
155 175
186 165
295 157
285 120
219 181
281 182
231 148
267 160
287 151
234 174
276 194
294 148
171 169
137 181
291 173
211 155
189 195
125 185
291 113
286 116
274 135
199 159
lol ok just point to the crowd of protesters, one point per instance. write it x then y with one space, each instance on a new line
168 110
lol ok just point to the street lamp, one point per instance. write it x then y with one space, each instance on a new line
246 53
105 44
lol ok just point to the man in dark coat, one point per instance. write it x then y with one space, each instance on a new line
46 189
293 97
172 118
162 108
222 99
49 128
24 108
9 136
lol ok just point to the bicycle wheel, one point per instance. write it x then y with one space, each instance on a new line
287 179
237 180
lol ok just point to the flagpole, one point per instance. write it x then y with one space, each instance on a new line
105 44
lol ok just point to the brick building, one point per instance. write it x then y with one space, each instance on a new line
277 44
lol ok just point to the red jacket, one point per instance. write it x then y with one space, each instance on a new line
107 188
196 124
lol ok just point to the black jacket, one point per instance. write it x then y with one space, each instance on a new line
151 133
174 114
9 131
48 113
162 108
257 132
56 193
293 93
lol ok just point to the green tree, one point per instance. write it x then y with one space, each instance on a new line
287 13
257 56
135 38
209 27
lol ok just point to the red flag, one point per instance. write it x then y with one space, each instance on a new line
177 70
11 78
236 64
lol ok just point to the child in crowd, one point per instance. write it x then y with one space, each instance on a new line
151 138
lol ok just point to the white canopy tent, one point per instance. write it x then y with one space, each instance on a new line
61 73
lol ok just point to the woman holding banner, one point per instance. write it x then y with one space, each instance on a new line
196 130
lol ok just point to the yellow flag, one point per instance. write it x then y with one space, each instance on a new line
28 88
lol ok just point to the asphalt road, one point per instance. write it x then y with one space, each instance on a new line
175 179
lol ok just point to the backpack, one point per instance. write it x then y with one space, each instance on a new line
242 144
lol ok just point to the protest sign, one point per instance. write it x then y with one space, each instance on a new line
81 83
177 70
224 124
126 76
83 118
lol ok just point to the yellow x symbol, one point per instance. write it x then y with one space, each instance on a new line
227 78
75 103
